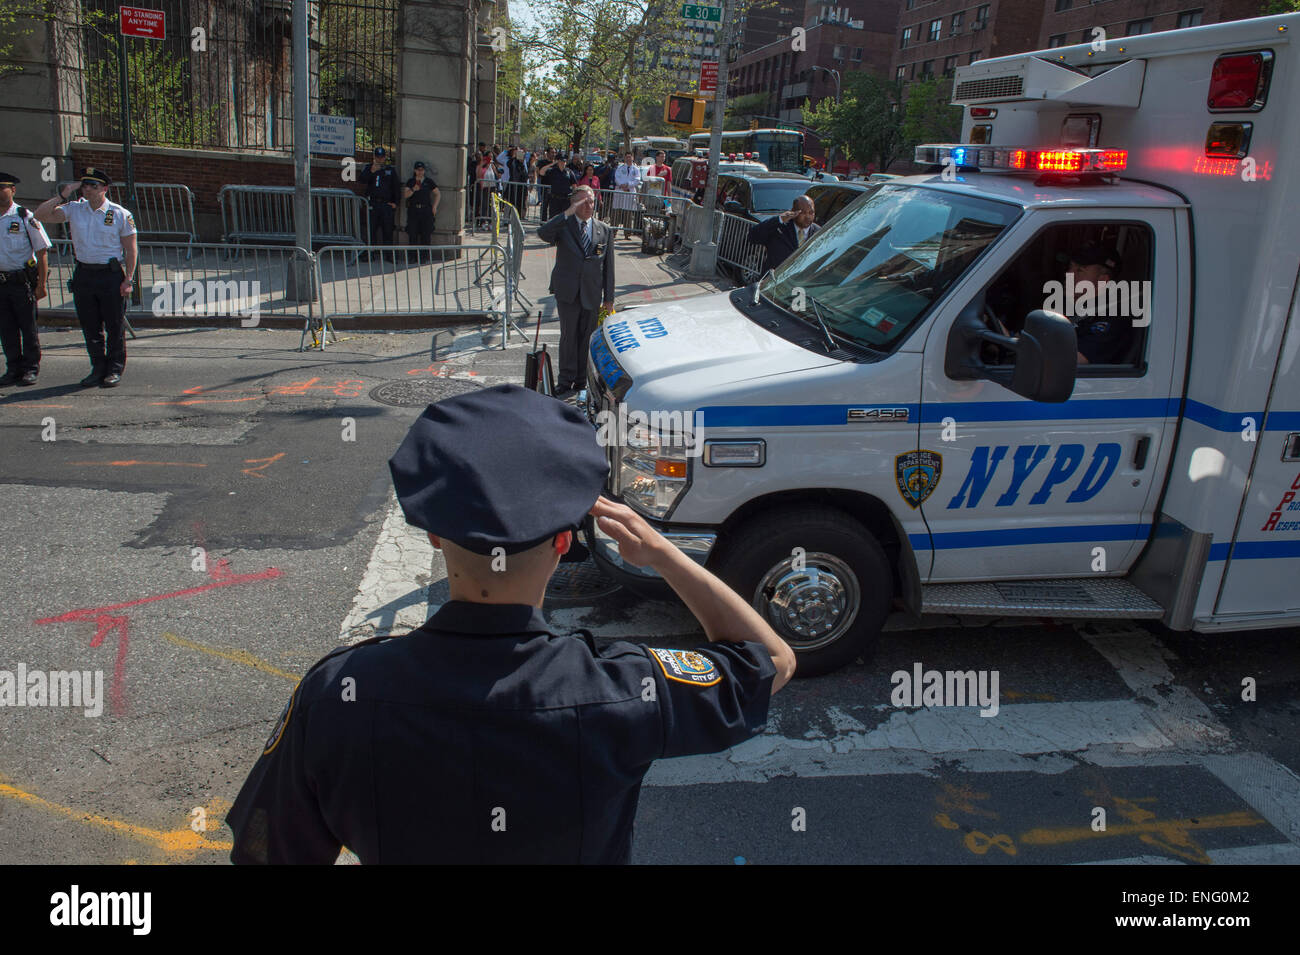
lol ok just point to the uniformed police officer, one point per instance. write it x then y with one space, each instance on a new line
485 735
381 192
422 198
24 267
104 242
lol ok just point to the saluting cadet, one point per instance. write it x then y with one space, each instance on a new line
104 243
422 197
381 191
486 735
24 267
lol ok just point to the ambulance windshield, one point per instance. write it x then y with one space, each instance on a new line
884 261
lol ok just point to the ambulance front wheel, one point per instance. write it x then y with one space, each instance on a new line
818 577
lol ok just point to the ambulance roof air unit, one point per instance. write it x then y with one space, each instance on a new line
1032 80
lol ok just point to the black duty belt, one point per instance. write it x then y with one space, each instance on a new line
14 276
99 266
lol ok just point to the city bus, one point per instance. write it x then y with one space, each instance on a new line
645 148
780 150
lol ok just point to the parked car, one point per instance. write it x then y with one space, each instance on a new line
691 172
750 197
830 197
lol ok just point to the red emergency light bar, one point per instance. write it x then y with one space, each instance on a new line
1074 160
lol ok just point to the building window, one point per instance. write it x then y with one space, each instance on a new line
927 69
1138 27
900 74
956 23
907 38
1192 18
982 16
935 27
857 54
1063 5
910 4
838 53
975 55
1057 40
949 65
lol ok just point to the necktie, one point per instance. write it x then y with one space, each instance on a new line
586 238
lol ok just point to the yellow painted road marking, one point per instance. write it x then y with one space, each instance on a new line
1170 834
184 842
237 656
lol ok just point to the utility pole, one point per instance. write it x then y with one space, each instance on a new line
704 253
299 285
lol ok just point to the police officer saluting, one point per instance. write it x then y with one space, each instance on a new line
422 197
104 242
486 736
24 267
381 191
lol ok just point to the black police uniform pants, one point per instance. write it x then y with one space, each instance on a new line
419 225
382 217
558 205
22 346
101 310
576 327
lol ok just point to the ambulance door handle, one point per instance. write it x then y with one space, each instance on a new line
1140 452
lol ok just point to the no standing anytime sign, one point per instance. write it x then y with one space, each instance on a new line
139 21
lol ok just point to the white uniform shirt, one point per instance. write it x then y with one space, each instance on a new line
626 175
19 245
504 159
97 233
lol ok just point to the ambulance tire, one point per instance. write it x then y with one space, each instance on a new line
758 563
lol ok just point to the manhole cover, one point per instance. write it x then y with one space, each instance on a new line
418 392
578 584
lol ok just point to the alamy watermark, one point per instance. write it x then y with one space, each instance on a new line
74 688
675 429
1101 299
213 297
923 687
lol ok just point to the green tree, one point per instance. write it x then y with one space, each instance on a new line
928 117
741 108
19 19
1271 7
867 123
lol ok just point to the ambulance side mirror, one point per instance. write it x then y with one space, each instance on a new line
1044 354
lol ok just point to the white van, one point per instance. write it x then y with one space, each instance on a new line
1058 376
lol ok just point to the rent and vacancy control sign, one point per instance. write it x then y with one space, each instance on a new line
139 21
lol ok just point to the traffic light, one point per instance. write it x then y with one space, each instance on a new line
685 110
753 124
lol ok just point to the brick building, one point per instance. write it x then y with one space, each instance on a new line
856 35
766 22
1067 22
934 38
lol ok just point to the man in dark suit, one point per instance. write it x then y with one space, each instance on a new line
782 234
582 280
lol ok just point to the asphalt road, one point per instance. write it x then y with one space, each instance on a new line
208 530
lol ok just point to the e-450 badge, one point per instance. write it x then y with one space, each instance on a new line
917 474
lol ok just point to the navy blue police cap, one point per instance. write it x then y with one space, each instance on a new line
9 179
91 174
498 467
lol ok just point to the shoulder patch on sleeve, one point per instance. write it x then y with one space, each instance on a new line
278 729
687 666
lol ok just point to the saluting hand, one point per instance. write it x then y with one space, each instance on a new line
638 542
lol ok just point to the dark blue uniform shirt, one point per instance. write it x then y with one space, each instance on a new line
482 737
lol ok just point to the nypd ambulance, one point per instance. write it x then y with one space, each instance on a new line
1057 375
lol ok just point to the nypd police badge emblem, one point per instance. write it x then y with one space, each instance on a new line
278 729
917 474
687 666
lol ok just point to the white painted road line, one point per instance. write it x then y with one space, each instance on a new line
393 594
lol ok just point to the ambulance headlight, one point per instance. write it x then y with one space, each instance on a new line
654 470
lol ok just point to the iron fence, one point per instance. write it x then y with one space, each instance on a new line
221 76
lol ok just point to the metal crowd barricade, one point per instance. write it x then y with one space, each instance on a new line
413 280
627 219
514 245
266 214
164 211
735 249
196 280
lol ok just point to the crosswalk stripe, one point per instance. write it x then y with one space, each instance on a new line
390 598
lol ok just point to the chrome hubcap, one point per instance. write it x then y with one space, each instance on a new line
809 607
